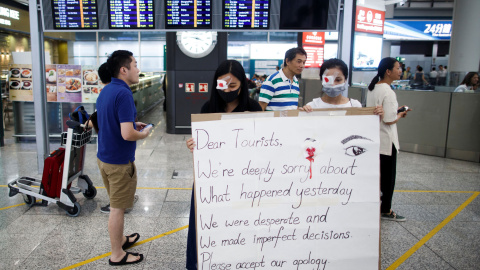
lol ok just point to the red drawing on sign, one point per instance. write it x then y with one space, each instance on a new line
203 87
310 147
190 87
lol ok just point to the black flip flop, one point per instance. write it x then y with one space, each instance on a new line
124 259
128 243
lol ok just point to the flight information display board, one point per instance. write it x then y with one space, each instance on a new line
75 14
246 14
131 14
188 14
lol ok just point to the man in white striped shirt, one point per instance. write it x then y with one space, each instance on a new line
280 90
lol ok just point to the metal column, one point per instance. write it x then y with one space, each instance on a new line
38 72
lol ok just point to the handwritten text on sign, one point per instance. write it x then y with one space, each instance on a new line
287 193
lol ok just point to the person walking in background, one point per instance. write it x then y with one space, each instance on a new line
419 77
469 83
381 93
433 76
442 75
407 74
280 90
117 136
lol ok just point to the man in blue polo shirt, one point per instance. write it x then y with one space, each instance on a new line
117 136
280 90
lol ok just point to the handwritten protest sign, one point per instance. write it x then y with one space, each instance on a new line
287 193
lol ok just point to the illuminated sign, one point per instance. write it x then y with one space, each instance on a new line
314 38
417 30
248 14
80 14
369 20
131 14
9 13
314 56
188 14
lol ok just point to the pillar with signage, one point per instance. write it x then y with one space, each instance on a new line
190 74
367 51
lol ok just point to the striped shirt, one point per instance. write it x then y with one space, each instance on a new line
279 92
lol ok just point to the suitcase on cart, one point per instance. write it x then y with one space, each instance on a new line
56 183
53 173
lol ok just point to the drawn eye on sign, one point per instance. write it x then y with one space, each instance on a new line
354 150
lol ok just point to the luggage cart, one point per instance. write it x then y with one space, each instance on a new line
74 140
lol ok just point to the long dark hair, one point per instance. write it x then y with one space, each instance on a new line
216 103
468 78
387 63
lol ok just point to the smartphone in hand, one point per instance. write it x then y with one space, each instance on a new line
149 125
402 109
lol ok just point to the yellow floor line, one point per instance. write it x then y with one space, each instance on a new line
436 191
136 244
427 237
11 206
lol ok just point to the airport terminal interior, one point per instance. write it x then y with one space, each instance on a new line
50 68
438 196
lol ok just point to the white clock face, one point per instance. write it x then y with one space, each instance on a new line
196 44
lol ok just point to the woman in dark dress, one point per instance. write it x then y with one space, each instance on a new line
230 95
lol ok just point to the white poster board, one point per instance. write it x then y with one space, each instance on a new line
287 193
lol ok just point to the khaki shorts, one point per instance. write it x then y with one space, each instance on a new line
121 183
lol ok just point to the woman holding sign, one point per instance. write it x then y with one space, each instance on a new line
231 95
334 74
382 94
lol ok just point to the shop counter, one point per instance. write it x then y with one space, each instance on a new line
425 128
463 138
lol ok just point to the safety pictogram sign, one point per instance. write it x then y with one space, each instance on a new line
203 87
190 87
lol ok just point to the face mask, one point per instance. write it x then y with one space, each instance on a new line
334 91
229 96
330 89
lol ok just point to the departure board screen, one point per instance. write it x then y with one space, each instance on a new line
246 14
131 14
188 14
75 14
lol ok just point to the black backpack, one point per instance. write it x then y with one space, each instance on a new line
79 115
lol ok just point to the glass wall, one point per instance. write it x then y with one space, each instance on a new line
152 49
147 48
93 48
85 48
243 45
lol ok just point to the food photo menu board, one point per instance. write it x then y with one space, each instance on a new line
20 82
69 83
51 82
91 84
131 14
246 14
71 14
188 14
